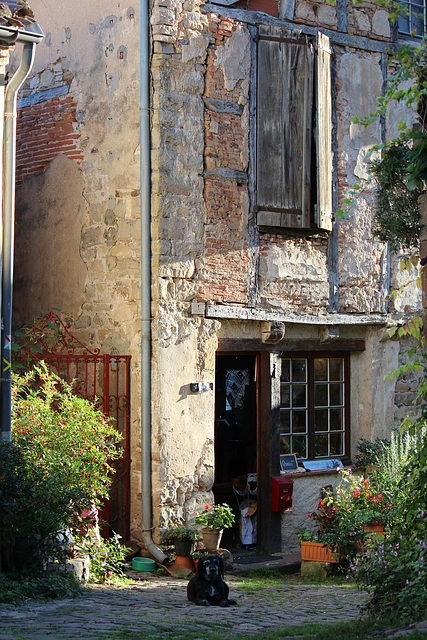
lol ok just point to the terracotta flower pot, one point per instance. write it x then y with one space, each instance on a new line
211 538
316 552
374 528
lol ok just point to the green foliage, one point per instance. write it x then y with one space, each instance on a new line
220 516
408 85
401 172
342 516
389 473
58 464
396 215
43 586
107 558
181 533
395 571
63 435
34 506
307 535
369 453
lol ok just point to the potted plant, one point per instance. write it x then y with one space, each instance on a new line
198 554
344 517
214 519
314 549
182 538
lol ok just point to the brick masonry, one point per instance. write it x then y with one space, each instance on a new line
45 130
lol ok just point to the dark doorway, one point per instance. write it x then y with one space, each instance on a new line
235 437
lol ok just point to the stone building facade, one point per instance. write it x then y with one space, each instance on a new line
258 290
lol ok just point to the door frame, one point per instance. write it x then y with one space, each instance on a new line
268 369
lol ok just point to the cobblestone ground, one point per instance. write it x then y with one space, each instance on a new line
159 604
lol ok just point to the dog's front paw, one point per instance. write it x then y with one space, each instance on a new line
232 602
224 603
203 603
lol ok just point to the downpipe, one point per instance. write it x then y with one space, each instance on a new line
9 171
145 183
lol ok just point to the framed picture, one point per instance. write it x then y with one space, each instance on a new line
288 462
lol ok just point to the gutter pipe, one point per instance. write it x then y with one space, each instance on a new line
145 184
9 170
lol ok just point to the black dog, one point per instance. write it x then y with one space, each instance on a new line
207 586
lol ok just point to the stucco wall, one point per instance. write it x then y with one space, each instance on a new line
78 203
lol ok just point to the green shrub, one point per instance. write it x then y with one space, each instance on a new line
42 586
396 214
368 453
59 463
107 558
395 570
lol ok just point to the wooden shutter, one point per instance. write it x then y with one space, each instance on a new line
284 129
324 133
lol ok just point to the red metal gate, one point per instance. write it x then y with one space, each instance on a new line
103 379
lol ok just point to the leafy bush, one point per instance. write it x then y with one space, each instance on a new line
62 433
42 586
368 453
59 464
396 214
107 558
395 570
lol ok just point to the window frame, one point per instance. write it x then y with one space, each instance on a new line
310 357
409 4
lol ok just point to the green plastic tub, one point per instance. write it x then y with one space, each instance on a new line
143 564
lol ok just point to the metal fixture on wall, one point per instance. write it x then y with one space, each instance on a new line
146 493
29 37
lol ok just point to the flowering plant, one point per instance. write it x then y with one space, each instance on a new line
341 518
181 533
58 465
218 516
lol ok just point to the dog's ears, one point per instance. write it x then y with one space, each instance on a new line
200 566
221 566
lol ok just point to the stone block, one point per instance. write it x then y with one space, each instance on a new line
79 566
311 569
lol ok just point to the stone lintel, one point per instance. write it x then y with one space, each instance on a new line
223 106
242 313
224 173
257 17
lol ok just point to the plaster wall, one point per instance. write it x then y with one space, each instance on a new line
78 214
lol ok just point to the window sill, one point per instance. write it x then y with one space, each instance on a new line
319 472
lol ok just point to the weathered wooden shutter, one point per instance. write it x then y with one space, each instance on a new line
284 129
324 134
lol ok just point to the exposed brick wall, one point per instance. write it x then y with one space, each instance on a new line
43 131
226 251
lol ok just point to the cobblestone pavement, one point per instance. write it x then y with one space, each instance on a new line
160 604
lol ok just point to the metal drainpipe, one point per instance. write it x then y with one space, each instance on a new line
145 184
9 167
